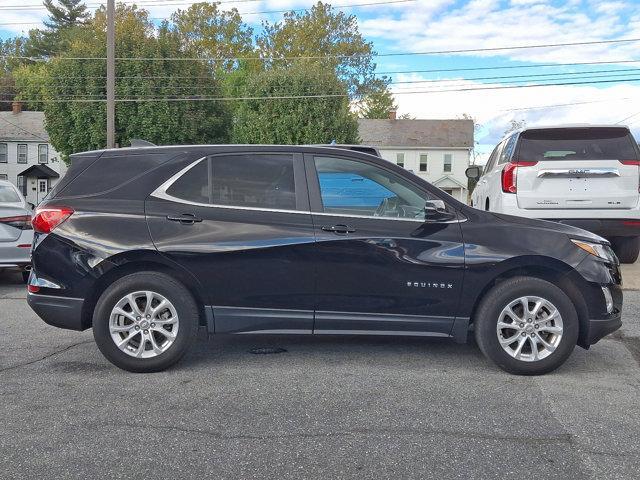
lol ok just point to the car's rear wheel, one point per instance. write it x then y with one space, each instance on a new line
627 248
145 322
527 326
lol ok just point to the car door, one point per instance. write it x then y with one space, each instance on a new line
241 224
491 182
480 191
381 268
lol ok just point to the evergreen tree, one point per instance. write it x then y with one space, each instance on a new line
64 15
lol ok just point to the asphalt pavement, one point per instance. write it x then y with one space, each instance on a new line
327 407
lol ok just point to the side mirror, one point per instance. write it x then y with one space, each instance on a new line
436 211
474 172
433 207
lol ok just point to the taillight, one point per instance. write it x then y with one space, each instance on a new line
23 222
637 164
510 174
46 219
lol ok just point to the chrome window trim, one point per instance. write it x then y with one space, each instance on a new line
161 193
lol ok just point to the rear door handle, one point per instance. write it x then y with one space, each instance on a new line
185 218
338 229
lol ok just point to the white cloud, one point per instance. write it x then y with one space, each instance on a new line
489 24
494 109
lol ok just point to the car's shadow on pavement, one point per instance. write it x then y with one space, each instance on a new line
225 350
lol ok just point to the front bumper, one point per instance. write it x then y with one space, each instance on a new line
62 312
597 329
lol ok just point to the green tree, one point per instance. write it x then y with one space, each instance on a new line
9 49
326 33
378 103
294 120
211 32
150 93
64 15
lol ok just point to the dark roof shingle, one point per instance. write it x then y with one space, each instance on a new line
23 127
416 133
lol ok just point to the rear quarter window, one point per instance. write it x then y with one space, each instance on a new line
576 144
112 171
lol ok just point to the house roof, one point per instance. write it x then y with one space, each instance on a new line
40 171
23 127
448 181
416 133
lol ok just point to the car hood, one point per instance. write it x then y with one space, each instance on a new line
573 232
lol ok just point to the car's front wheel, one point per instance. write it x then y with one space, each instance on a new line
527 326
145 322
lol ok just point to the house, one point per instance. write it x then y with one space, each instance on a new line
27 159
437 150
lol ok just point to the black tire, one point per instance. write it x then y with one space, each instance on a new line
25 276
488 312
627 248
162 284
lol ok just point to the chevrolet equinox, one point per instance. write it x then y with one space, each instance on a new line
147 245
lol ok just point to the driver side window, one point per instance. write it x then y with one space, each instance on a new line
349 187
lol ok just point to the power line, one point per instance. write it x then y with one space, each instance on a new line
36 6
283 97
629 117
122 84
505 67
356 55
598 74
436 70
266 12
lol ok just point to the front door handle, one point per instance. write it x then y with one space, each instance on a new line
185 218
338 229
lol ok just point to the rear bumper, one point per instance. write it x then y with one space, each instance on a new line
606 228
62 312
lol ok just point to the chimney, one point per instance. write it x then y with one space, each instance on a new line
392 114
16 107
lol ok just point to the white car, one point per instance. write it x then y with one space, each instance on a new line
584 175
16 233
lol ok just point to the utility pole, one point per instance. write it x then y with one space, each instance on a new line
111 75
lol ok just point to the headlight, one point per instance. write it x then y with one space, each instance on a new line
596 249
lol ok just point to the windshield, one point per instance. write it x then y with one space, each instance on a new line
576 144
8 194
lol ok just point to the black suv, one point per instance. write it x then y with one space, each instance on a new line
146 245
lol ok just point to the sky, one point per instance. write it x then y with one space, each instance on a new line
400 29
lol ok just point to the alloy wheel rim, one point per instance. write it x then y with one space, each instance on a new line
529 328
143 324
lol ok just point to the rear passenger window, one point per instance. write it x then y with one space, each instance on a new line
193 185
257 181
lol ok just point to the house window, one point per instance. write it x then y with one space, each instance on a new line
22 153
400 159
3 153
423 162
43 153
448 160
22 185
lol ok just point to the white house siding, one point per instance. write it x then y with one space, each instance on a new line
435 166
27 128
436 138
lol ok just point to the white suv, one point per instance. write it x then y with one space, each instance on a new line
586 176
